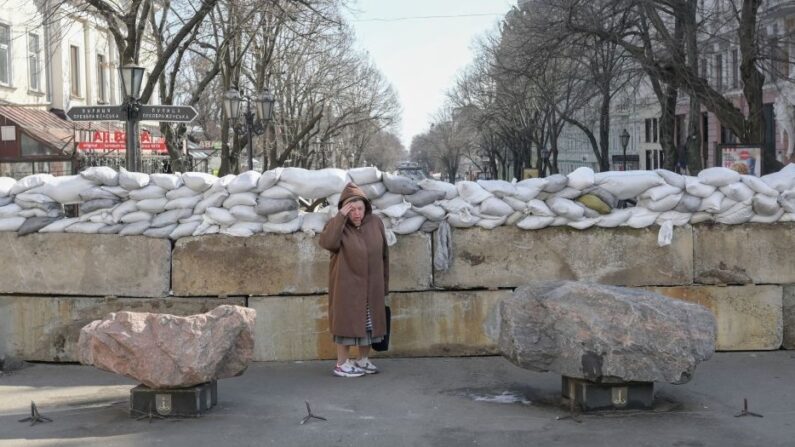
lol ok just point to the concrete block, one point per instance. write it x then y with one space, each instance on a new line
47 328
788 307
744 254
510 257
748 317
423 324
85 265
281 264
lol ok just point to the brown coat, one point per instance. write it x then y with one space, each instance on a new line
358 271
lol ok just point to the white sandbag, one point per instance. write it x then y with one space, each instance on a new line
206 228
30 182
567 193
334 199
627 184
399 184
269 178
85 227
566 208
676 218
472 192
373 190
278 192
101 175
758 186
6 200
135 228
514 218
641 218
283 228
243 229
33 197
272 206
59 225
181 192
184 230
391 239
672 178
153 205
424 197
240 198
535 183
311 184
96 193
198 181
616 218
246 181
765 205
132 180
499 188
151 191
535 222
718 176
183 202
667 203
433 213
515 204
244 213
193 218
584 223
407 225
526 193
365 176
11 223
659 192
726 204
283 217
65 190
781 180
555 183
383 202
98 204
462 219
495 207
490 223
160 233
787 217
688 204
738 191
742 212
137 216
122 209
581 178
170 217
220 216
117 190
6 183
410 213
539 208
701 217
786 200
47 206
34 212
396 211
103 216
430 226
768 219
215 200
220 185
449 189
695 188
313 223
712 203
168 182
111 229
666 234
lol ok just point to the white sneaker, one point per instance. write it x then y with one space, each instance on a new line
366 365
348 369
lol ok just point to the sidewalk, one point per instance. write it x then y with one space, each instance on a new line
413 402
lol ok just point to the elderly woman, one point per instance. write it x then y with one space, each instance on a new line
358 280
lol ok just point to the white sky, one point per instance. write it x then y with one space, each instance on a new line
421 57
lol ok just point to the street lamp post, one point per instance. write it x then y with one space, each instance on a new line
263 112
131 79
624 142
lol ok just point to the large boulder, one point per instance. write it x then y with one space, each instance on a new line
604 333
167 351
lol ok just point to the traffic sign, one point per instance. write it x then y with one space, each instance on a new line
167 113
96 113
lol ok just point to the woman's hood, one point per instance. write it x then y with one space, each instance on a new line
351 191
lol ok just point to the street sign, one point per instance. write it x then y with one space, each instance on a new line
96 113
166 113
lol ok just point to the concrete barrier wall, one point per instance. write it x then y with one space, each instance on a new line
53 284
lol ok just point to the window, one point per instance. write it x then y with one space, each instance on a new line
74 70
651 130
5 54
34 72
102 93
727 136
735 68
654 130
719 72
654 159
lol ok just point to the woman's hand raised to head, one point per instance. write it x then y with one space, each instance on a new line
346 209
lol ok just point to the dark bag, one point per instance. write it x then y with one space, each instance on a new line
383 345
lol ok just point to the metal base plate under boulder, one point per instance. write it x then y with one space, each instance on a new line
173 402
592 396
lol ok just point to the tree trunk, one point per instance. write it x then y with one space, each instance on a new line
604 131
668 126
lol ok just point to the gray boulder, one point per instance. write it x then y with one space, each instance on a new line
604 333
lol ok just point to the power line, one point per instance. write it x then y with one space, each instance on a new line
452 16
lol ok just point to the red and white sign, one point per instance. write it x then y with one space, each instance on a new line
116 141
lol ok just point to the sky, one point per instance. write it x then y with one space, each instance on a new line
421 57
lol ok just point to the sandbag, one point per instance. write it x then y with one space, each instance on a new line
11 223
137 216
6 183
153 205
566 193
244 182
581 178
593 202
672 178
34 224
117 190
134 229
399 184
396 211
499 188
515 204
455 205
641 218
313 184
246 213
243 229
206 228
688 204
535 222
701 217
539 208
675 217
272 206
132 180
215 200
240 198
471 192
787 200
526 193
718 176
449 189
313 223
742 212
407 225
423 197
768 219
101 175
170 217
667 203
616 218
385 201
495 207
462 219
490 223
283 228
97 204
64 190
365 176
32 197
166 181
566 208
278 192
184 230
758 186
765 205
334 199
433 213
219 185
220 216
738 191
198 181
97 193
695 188
85 227
181 192
6 200
34 212
183 202
781 180
627 184
373 190
584 223
111 229
29 182
283 217
46 206
555 183
659 192
269 178
712 203
151 191
59 225
160 233
123 209
430 226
